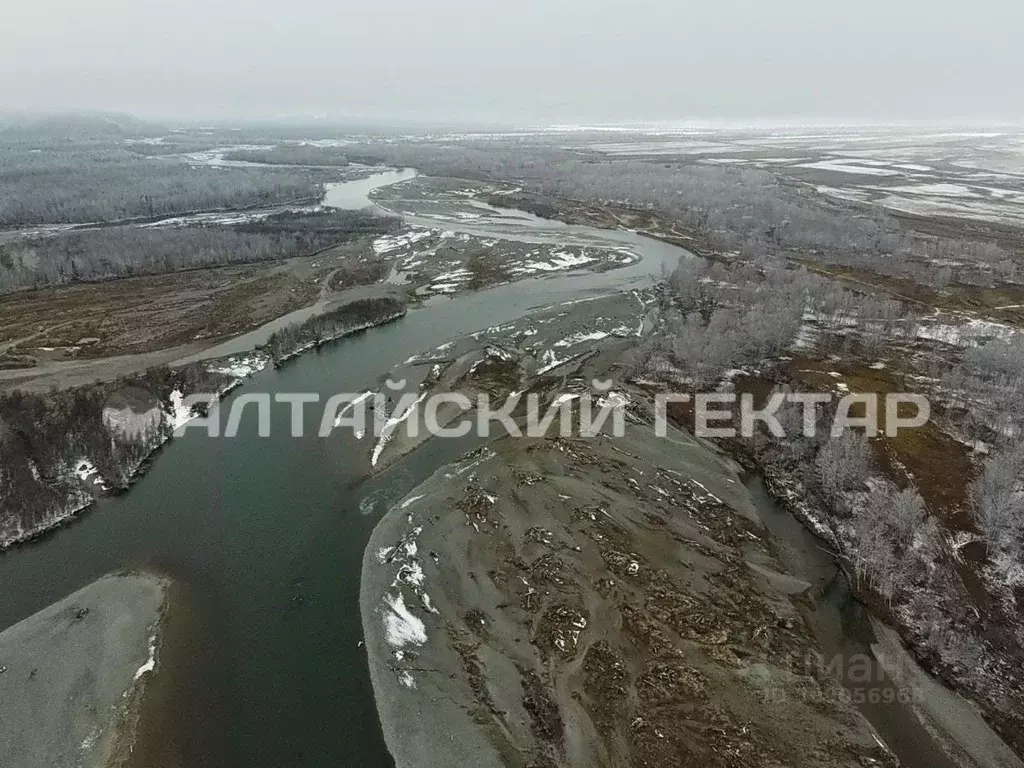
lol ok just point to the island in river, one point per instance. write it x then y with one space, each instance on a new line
596 602
623 601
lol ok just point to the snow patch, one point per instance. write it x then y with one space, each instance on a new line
387 243
150 664
845 166
579 338
86 471
388 431
242 367
557 261
401 627
180 414
407 680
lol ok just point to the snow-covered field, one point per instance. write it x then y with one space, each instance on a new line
840 165
954 172
444 262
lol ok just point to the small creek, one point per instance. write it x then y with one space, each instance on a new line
843 627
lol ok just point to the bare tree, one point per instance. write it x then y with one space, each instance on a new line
886 525
997 500
843 465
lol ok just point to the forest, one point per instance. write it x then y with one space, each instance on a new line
740 316
332 325
724 324
292 154
52 184
109 253
742 210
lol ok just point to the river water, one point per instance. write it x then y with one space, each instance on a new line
266 535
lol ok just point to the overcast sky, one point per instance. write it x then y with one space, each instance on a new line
521 61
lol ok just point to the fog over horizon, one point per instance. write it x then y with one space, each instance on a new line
456 61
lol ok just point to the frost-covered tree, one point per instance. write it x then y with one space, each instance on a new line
997 500
88 184
886 524
112 252
843 465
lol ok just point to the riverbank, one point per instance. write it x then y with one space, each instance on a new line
952 720
624 253
569 601
173 319
581 602
75 674
370 308
969 703
333 325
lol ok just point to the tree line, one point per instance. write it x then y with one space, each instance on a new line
89 184
292 154
719 316
326 327
43 437
123 251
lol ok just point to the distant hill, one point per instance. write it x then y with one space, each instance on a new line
77 126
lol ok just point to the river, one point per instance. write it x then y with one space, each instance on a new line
266 535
